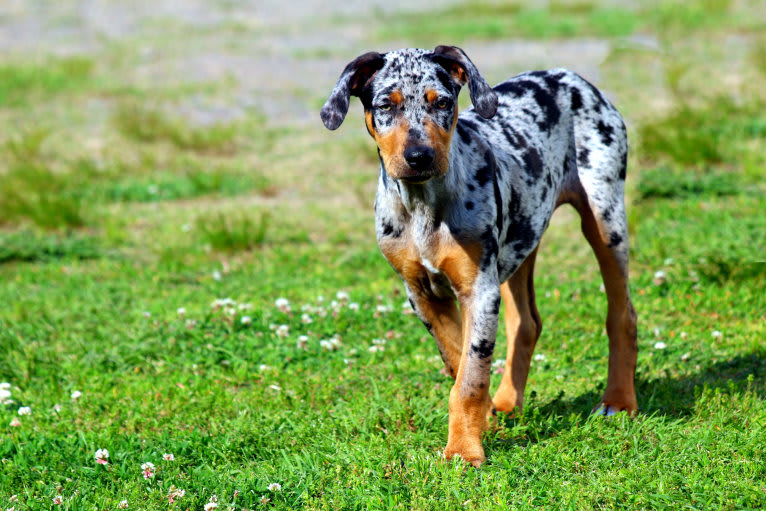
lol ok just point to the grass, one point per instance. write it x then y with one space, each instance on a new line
24 82
122 223
490 20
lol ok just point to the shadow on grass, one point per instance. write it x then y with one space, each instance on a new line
670 397
676 396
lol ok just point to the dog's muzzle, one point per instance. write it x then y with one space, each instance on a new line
421 162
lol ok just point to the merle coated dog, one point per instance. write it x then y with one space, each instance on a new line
463 201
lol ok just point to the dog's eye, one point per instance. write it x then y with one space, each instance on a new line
442 104
385 107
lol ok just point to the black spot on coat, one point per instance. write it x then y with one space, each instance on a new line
606 133
533 165
483 349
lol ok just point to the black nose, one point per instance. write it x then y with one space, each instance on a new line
419 157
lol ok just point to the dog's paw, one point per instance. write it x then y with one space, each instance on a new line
609 409
474 460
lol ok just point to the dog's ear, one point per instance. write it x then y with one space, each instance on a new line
351 83
457 63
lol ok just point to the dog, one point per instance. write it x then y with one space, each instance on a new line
463 200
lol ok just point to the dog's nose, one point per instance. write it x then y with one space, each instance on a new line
419 157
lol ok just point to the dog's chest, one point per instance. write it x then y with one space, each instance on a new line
435 264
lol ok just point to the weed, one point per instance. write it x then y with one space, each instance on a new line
679 182
232 231
30 191
30 246
23 83
149 125
495 20
710 133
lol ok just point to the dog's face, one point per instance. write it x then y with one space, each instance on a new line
410 102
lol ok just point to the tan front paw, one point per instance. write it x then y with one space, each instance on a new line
470 451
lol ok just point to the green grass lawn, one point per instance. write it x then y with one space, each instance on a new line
214 292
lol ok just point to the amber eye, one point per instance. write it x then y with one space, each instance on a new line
385 107
442 104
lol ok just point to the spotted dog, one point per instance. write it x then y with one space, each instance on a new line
462 203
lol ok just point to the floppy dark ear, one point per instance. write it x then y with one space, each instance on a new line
457 63
351 82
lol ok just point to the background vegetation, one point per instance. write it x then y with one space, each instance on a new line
158 160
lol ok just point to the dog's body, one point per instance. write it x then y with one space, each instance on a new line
460 217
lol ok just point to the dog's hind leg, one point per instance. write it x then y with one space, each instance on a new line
604 223
523 327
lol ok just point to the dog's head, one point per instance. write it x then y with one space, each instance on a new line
410 103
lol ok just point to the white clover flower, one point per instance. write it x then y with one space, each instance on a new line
245 306
374 349
168 457
58 500
660 345
246 320
659 277
379 341
500 362
56 408
217 275
5 394
283 304
25 410
342 296
181 311
717 334
275 388
263 367
5 385
684 335
324 343
147 314
685 356
306 319
210 506
101 454
283 331
148 469
384 308
220 303
123 504
539 357
668 261
264 500
15 422
275 487
353 306
302 342
657 332
13 498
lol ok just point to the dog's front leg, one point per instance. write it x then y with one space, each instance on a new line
469 400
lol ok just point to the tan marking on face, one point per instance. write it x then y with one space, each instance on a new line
391 145
396 97
431 95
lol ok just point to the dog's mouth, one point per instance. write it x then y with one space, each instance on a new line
418 177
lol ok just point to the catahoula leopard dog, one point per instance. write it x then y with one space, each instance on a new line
462 203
